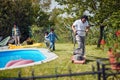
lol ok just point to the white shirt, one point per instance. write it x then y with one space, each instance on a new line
80 27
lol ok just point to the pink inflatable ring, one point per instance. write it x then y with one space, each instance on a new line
18 62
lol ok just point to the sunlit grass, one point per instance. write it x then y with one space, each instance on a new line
62 64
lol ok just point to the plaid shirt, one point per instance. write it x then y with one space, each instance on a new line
17 32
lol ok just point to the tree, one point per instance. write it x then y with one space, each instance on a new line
100 12
20 12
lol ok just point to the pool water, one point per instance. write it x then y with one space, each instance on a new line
6 56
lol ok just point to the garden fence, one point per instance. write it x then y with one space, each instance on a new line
102 71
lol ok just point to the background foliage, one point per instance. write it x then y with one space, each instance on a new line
38 16
20 12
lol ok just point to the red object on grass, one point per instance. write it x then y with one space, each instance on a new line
117 33
113 62
102 42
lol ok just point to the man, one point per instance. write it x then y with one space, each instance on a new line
80 27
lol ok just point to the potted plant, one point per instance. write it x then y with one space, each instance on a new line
112 24
114 50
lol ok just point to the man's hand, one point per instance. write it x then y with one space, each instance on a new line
74 31
86 30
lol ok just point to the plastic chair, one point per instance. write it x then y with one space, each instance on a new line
4 41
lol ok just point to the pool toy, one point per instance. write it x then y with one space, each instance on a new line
11 46
18 62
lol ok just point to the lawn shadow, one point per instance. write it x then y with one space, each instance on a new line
92 58
95 57
89 60
64 50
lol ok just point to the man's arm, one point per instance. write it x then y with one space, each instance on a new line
87 28
73 28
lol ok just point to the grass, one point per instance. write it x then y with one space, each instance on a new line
62 64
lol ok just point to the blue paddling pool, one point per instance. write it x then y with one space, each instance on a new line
35 55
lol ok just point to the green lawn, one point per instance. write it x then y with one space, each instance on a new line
62 64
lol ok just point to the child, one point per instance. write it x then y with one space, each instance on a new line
52 37
47 41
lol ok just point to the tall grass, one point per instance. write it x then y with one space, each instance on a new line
62 64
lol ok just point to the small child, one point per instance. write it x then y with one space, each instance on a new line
52 37
47 41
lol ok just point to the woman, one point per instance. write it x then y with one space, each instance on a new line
16 34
